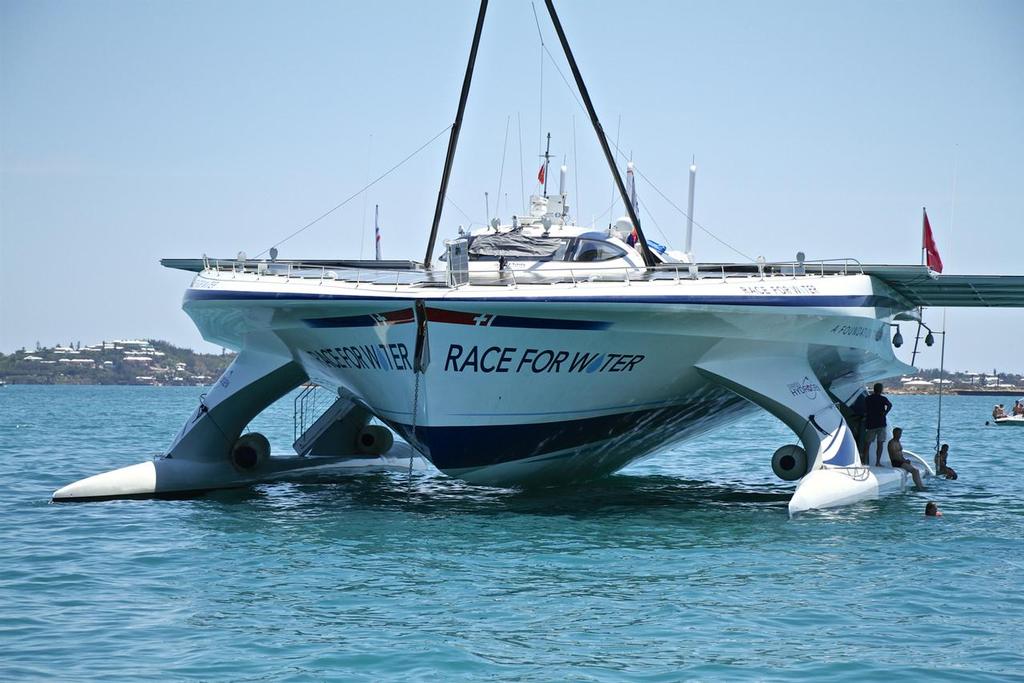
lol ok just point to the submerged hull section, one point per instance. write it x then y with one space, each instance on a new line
547 384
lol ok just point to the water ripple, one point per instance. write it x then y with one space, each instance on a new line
685 566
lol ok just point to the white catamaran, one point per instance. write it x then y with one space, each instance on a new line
543 353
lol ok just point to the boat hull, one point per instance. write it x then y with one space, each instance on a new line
571 385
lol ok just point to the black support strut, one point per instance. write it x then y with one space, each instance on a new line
645 250
453 141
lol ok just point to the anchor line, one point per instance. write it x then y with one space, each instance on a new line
415 406
421 358
205 410
811 420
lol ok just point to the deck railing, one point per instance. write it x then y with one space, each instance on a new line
543 273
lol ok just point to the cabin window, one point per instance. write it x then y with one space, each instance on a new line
595 250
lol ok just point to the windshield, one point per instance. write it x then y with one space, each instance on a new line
596 250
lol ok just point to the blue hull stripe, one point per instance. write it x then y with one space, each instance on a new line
347 321
548 323
453 448
370 320
816 301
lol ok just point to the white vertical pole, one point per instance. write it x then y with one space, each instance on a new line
562 171
689 211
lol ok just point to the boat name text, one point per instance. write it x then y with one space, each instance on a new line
513 359
365 357
770 290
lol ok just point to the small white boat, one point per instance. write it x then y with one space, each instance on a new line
1010 420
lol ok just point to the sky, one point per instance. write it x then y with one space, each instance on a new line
131 131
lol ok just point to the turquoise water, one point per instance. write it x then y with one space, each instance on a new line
683 567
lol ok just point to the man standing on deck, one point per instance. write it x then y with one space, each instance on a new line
876 407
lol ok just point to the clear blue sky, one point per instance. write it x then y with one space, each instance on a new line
137 130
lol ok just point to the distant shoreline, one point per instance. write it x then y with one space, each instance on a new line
121 362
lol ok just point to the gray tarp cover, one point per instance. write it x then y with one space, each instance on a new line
514 244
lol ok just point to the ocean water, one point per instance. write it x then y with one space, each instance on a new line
682 567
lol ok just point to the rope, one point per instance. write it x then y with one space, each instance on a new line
205 410
572 91
362 190
501 171
415 406
540 116
686 215
459 208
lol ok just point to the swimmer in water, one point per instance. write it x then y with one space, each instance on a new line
932 510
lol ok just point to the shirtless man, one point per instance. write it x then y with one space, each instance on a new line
901 463
941 468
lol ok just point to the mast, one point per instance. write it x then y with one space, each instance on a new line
645 250
453 141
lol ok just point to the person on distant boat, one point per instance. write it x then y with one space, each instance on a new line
1018 408
931 509
941 468
876 407
998 412
901 463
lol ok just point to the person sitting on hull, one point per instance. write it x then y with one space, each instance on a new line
941 468
998 412
1018 408
901 463
876 407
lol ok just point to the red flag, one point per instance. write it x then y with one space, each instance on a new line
540 174
931 251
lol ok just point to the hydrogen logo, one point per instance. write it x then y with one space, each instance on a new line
805 388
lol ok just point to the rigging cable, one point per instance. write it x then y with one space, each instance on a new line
684 214
522 174
501 172
468 217
362 226
359 192
575 96
576 169
543 48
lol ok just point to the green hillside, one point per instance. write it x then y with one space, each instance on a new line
123 361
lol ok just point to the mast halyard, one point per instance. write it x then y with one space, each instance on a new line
453 141
645 250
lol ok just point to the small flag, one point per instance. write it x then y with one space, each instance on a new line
931 252
376 228
540 174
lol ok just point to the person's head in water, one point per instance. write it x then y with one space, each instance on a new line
878 388
932 510
897 433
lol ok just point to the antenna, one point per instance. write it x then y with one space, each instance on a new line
689 210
